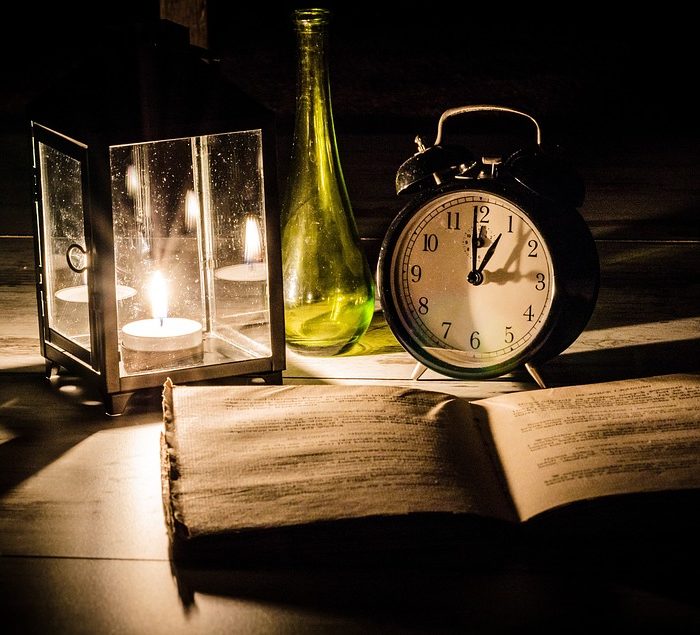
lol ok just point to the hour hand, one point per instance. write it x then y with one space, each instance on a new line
475 276
489 252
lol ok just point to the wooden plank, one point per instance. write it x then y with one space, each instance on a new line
115 596
16 260
65 460
63 595
642 284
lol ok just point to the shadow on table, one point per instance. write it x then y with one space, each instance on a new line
43 419
619 563
626 362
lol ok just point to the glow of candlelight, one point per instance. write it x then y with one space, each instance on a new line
252 251
132 180
158 294
191 210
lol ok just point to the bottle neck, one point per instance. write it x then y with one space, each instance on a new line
315 172
313 98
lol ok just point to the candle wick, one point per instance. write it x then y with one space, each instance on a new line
161 322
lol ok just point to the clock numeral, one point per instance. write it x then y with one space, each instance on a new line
446 326
510 224
532 244
430 242
416 273
452 220
529 314
422 305
474 340
509 335
484 211
539 285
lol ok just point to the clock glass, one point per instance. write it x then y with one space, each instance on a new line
472 283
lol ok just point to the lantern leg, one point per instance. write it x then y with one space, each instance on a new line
115 404
273 378
51 369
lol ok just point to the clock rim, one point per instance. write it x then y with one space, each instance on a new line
566 319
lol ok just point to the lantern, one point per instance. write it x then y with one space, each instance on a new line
156 222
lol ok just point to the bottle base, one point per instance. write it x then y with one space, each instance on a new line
327 328
321 349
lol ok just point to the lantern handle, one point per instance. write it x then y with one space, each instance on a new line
72 248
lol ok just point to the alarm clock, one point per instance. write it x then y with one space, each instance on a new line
489 266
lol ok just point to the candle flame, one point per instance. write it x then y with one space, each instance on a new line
191 210
158 292
253 245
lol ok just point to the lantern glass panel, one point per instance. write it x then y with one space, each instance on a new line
65 261
189 232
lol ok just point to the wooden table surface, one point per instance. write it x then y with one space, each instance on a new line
83 544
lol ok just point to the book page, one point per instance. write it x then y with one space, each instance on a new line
250 457
560 445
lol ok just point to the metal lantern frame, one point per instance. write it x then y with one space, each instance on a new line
143 87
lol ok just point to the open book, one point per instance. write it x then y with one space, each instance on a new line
243 461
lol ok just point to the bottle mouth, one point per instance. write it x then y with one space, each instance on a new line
309 18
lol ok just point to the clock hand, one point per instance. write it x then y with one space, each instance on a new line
489 253
475 242
475 276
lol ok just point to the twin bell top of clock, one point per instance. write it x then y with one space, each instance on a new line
538 171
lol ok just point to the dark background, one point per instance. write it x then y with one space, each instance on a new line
615 92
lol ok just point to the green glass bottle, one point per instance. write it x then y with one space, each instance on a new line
328 285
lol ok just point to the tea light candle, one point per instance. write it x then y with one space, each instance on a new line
161 341
162 335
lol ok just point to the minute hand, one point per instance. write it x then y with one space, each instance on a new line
475 241
488 254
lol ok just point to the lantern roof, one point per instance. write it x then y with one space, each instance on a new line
145 83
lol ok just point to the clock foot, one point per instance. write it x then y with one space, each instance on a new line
418 371
535 375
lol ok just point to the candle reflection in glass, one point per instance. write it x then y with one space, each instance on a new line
246 282
191 211
252 269
70 306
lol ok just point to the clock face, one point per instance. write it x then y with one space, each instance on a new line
471 282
